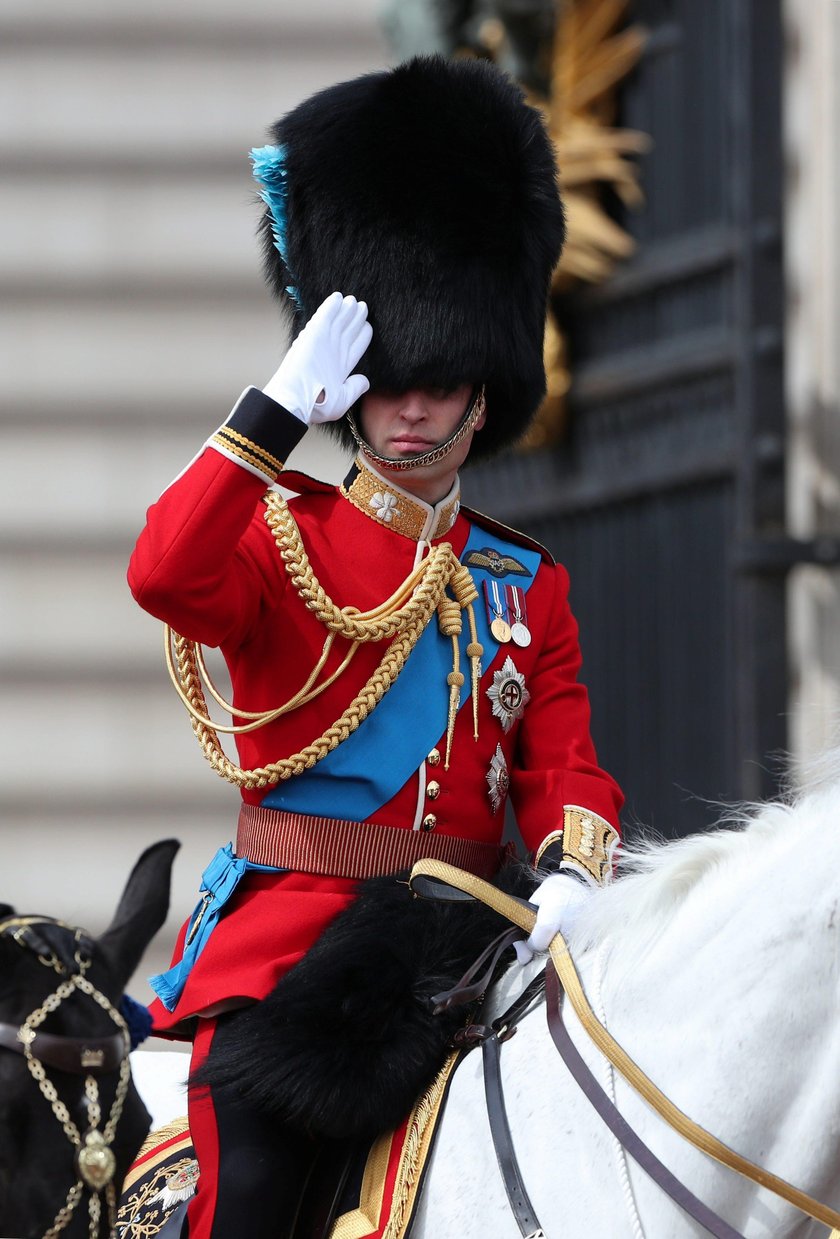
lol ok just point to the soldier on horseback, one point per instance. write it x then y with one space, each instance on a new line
399 663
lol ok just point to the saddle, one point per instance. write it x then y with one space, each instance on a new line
353 1049
348 1039
353 1187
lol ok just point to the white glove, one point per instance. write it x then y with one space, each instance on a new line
314 381
559 898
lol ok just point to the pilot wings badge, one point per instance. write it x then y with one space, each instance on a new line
496 564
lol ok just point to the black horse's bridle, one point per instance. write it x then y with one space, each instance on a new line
95 1163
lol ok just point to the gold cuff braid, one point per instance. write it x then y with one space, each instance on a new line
588 843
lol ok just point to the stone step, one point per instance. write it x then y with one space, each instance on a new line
200 349
72 614
119 234
65 743
121 835
104 483
85 860
154 102
92 489
320 19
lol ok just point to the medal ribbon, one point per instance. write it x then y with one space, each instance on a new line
516 605
519 616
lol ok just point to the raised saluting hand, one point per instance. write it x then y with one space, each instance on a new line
315 380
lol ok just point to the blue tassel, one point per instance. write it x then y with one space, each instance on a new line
271 175
138 1017
218 882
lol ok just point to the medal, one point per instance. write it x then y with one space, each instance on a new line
500 630
519 631
520 635
499 626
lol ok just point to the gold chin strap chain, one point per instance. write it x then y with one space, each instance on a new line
524 916
94 1160
468 422
400 620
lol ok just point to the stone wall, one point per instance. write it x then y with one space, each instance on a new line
133 313
812 255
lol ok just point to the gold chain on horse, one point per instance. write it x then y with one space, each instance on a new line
94 1159
400 619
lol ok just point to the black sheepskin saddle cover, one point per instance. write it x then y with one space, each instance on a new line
346 1041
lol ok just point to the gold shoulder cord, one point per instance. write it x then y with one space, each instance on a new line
400 620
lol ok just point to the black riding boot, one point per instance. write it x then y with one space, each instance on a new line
262 1171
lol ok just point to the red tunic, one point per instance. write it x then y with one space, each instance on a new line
207 564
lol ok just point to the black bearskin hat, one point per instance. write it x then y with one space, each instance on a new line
430 192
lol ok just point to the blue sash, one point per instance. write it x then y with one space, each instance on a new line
371 765
375 761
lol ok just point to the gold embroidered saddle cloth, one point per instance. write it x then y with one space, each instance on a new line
387 1196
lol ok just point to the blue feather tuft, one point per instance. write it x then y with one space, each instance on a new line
271 175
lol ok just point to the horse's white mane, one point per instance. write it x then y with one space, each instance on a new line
755 843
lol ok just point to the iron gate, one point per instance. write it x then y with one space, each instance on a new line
666 500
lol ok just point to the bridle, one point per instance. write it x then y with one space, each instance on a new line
94 1160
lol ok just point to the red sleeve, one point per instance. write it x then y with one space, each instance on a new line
556 764
205 559
198 564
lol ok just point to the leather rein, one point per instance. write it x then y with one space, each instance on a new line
69 955
433 879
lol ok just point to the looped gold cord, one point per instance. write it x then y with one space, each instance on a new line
449 617
463 586
400 619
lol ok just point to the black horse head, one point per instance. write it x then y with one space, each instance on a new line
36 1157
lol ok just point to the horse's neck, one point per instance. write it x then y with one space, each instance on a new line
731 1006
509 987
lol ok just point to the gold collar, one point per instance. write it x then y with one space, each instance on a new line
393 507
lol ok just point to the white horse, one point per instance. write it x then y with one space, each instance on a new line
715 962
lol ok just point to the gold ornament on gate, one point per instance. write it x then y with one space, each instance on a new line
591 53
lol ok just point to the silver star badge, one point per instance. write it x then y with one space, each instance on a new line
508 694
498 779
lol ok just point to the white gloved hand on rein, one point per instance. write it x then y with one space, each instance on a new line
315 380
559 899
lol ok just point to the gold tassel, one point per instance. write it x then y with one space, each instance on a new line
455 680
464 589
449 620
474 652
